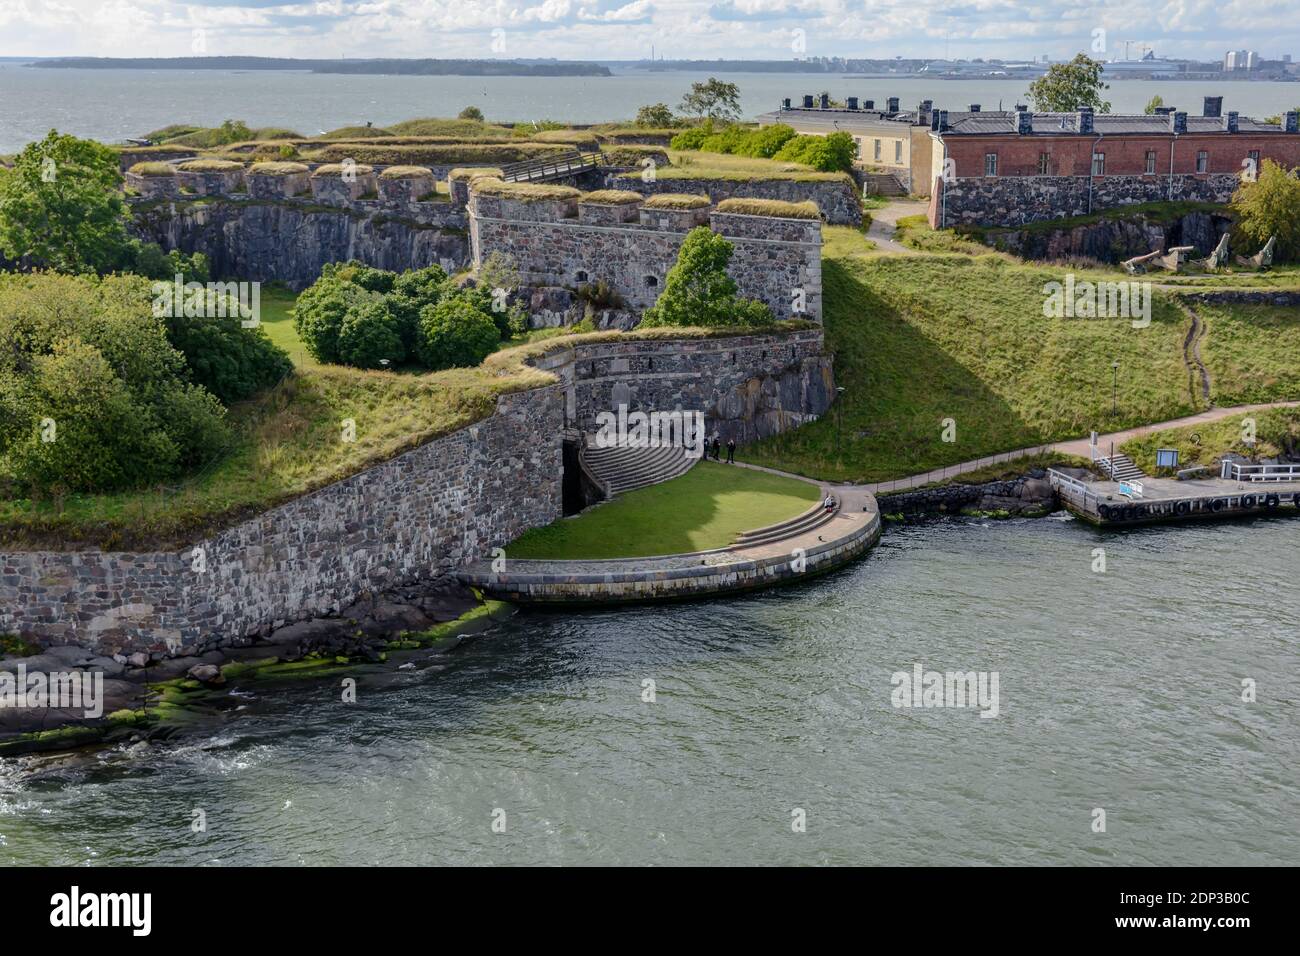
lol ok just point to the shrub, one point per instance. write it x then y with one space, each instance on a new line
230 361
471 113
370 336
833 153
766 142
454 334
698 291
655 116
358 273
693 137
319 312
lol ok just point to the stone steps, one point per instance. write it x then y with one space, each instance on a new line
1121 468
623 469
809 520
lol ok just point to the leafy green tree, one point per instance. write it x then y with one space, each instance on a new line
60 206
1270 206
698 291
833 153
471 113
370 336
230 361
319 313
1066 87
1154 104
713 99
655 116
235 131
455 334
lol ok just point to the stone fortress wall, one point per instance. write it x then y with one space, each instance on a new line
419 516
569 243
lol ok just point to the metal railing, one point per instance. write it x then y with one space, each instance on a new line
1235 471
566 164
1072 488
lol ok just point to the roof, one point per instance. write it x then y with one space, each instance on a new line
993 122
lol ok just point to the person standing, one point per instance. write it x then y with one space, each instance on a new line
731 451
717 446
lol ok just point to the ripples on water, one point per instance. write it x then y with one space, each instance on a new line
1119 691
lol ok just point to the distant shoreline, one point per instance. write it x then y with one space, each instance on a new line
386 67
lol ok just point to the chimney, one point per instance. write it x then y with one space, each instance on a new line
1291 122
935 116
1213 106
1021 107
869 105
927 105
923 113
943 120
1178 120
1024 122
974 107
825 101
785 103
1085 119
893 104
852 102
1230 121
807 101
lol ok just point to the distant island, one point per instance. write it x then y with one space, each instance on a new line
425 67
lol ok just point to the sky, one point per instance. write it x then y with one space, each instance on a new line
627 29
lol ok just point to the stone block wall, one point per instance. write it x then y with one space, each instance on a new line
748 387
405 189
338 191
153 187
212 183
837 199
777 261
422 514
262 186
1016 200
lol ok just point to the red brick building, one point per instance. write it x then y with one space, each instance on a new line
1008 168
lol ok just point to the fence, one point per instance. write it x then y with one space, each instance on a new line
1235 471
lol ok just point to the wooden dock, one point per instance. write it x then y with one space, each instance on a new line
1115 503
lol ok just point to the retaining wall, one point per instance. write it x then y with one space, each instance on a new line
837 199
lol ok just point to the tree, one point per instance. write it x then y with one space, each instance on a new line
1154 104
1270 206
714 99
833 153
655 116
471 113
1066 87
60 206
454 334
698 291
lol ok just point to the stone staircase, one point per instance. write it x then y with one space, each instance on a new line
1120 468
809 520
622 469
882 184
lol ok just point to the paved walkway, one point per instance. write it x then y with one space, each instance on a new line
1078 446
885 220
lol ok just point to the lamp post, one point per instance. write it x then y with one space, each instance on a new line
1114 389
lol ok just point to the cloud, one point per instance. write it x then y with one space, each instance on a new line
757 11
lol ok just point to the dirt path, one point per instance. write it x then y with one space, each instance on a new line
885 220
1196 369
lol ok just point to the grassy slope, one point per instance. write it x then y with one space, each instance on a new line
705 508
1201 444
921 339
694 164
1252 352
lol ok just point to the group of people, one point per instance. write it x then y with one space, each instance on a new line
716 445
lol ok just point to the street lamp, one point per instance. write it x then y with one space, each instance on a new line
1114 390
839 400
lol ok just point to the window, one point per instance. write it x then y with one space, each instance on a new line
990 164
1044 164
651 282
857 147
1253 156
1099 164
581 276
1151 162
1202 162
898 151
877 149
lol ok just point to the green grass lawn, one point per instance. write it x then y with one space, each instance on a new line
704 508
696 164
1252 352
1201 444
921 339
276 303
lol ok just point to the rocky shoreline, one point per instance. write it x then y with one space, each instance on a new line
404 618
1029 495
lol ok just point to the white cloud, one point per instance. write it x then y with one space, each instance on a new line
615 29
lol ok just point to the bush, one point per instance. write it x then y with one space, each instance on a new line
455 334
319 312
655 116
833 153
93 396
370 336
230 361
1270 206
693 137
471 113
698 291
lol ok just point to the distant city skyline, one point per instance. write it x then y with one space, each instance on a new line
618 29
